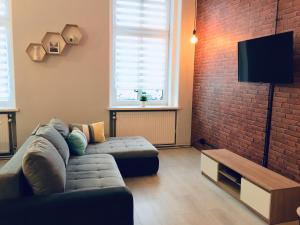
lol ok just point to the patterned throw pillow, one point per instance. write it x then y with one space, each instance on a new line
77 142
94 132
84 128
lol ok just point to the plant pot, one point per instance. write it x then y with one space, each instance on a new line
143 103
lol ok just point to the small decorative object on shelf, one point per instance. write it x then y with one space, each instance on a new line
54 47
36 52
72 34
143 99
53 43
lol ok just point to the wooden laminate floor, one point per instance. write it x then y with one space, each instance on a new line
180 195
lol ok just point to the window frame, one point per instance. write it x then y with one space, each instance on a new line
168 77
7 23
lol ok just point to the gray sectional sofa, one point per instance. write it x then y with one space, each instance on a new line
95 192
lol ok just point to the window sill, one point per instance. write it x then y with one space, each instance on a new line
146 108
9 110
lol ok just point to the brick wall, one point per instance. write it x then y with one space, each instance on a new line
232 115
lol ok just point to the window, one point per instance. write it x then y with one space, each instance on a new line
6 75
141 40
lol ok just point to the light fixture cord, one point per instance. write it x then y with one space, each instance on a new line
195 18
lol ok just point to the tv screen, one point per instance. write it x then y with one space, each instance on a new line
267 59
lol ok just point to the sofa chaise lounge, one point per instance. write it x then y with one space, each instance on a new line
95 192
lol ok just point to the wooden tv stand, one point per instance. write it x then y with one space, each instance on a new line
272 196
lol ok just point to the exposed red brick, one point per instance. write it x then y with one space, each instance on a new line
232 115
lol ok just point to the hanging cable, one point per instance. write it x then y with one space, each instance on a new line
195 17
277 17
270 107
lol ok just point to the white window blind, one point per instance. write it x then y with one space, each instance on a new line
141 49
6 88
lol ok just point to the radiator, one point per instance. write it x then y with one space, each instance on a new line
4 134
159 127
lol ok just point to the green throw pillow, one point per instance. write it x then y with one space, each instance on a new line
77 142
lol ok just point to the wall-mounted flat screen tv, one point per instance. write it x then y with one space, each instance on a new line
267 59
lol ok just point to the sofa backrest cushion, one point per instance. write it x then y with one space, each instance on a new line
60 126
12 181
44 168
52 135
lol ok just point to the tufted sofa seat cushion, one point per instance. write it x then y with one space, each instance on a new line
93 172
124 147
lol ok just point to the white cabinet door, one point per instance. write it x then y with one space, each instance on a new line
209 167
256 198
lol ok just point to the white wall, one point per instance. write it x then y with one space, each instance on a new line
186 70
75 85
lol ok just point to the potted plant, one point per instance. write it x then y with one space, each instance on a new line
143 99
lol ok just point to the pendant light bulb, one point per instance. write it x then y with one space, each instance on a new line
194 38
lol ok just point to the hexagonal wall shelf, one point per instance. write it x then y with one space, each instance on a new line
53 43
71 33
36 52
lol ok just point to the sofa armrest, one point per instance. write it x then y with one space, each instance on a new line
108 206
